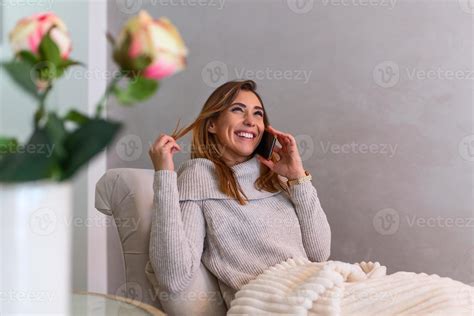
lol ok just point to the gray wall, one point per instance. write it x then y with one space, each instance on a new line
379 97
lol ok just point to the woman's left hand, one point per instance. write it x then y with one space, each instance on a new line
289 165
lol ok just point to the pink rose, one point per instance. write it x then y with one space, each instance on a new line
29 32
157 39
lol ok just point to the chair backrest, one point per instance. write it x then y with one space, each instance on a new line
126 194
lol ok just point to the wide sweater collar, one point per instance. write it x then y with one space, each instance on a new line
197 180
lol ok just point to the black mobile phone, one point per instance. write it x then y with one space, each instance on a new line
265 147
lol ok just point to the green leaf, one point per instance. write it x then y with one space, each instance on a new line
59 72
57 133
23 74
33 161
131 66
69 62
138 89
8 141
7 144
120 53
27 56
87 141
76 117
49 51
140 63
52 153
63 65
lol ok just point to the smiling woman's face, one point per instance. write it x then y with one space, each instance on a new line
245 114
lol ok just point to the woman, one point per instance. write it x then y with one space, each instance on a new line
228 206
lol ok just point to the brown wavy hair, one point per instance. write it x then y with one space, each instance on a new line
204 144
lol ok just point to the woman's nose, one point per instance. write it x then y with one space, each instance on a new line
249 121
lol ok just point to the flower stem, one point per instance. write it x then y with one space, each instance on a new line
41 109
103 101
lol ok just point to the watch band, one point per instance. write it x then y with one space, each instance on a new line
306 178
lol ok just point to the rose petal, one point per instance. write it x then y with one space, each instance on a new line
63 41
160 69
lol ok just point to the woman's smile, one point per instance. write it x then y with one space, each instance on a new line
245 137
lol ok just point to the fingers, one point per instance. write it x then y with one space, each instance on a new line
163 139
171 147
165 142
270 164
283 138
276 132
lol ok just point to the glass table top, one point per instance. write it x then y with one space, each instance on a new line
97 304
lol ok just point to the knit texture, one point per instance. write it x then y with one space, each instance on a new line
334 288
193 221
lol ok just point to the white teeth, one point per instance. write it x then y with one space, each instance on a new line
246 135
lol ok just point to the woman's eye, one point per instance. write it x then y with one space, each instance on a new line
259 112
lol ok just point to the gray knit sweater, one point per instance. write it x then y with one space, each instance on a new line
193 221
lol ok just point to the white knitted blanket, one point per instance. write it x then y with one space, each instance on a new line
301 287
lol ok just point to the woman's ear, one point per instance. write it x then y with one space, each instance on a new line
212 127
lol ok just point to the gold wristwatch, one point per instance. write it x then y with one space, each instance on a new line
306 178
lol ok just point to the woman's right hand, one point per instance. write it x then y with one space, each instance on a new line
162 151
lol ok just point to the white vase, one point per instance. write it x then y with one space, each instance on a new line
35 253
